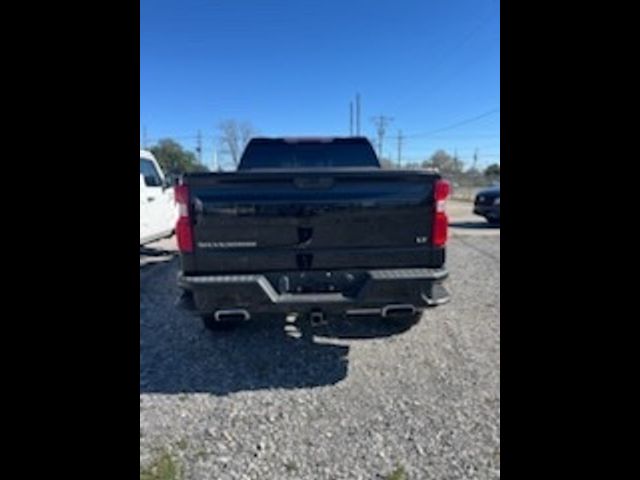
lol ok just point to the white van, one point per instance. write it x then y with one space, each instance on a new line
158 209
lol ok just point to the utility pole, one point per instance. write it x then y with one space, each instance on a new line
475 158
144 137
400 138
351 118
358 114
199 147
381 122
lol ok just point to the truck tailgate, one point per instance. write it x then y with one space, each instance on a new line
302 220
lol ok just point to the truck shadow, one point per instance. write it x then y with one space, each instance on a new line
178 355
363 328
480 225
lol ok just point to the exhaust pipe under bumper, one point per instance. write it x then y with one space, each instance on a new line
231 315
398 311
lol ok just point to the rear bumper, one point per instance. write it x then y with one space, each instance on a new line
420 287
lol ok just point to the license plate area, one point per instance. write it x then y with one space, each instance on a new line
346 283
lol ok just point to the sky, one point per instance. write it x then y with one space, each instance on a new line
291 68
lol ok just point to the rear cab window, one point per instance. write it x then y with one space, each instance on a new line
292 154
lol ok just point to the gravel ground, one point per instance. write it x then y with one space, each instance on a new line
349 400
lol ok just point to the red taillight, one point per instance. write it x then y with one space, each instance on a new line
441 192
184 233
440 229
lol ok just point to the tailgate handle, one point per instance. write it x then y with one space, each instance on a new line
313 183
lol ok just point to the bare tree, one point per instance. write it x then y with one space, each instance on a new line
235 136
444 162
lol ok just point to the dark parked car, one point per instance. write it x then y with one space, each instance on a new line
487 204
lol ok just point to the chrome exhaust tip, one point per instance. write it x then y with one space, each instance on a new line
398 311
231 315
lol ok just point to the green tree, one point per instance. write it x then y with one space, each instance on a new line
174 159
492 170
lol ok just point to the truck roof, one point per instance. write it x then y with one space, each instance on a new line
310 139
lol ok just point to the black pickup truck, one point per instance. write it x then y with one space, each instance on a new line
312 226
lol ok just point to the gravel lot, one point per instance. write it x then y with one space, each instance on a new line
349 400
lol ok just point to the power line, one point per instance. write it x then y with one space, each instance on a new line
456 73
447 56
432 134
456 125
468 156
465 135
464 150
